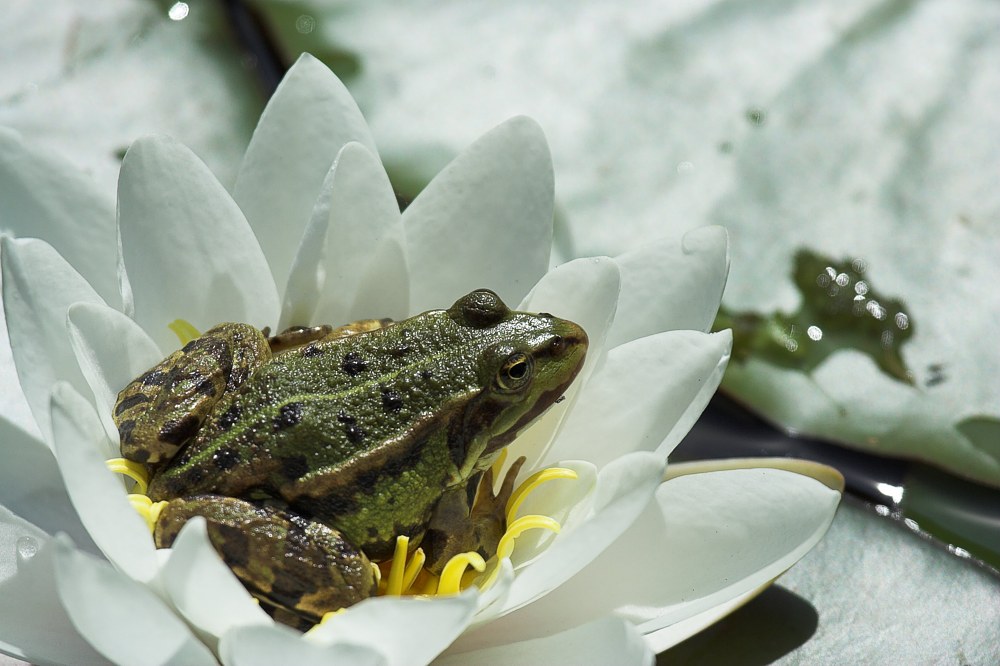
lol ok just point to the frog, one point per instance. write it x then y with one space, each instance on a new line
310 452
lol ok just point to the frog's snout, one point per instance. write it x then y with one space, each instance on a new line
570 342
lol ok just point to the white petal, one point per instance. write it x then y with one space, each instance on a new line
407 630
203 589
624 488
307 121
608 640
645 397
186 246
666 637
277 644
672 284
123 619
81 448
485 220
34 625
111 350
31 486
707 539
46 197
584 291
38 288
355 214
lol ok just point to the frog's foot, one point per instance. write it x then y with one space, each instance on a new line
300 336
299 569
458 528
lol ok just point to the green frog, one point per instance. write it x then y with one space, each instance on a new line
310 452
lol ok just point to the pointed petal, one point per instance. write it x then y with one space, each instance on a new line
608 640
277 644
203 589
407 630
46 197
707 539
81 447
485 220
186 246
645 397
34 625
31 486
671 284
38 288
624 488
307 121
111 350
356 212
584 291
124 620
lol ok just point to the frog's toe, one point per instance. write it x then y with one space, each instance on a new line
294 566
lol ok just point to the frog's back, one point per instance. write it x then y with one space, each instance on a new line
321 411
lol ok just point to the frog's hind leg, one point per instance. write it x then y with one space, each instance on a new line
162 409
299 569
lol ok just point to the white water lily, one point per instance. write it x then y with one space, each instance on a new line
312 233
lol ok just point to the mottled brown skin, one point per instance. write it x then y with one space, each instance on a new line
334 448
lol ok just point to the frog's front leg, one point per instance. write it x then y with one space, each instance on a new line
299 569
469 518
164 407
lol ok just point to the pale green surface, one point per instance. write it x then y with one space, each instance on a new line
86 78
862 128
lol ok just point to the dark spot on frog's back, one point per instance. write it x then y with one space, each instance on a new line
288 415
178 431
131 402
294 467
311 350
353 364
354 433
226 458
392 401
229 418
233 543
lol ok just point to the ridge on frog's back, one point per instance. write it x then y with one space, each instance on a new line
371 436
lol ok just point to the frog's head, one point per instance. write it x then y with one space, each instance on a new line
526 363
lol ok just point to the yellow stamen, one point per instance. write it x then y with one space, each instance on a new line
413 568
394 587
532 482
523 524
132 470
146 508
451 577
184 331
326 618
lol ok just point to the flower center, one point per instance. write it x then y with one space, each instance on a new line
404 574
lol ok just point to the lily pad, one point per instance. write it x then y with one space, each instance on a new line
857 129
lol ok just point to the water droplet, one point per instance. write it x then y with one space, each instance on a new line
875 309
912 524
882 510
886 340
861 287
843 279
859 265
685 167
791 345
26 548
902 321
178 11
814 333
305 24
823 280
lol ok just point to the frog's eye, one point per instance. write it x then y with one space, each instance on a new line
515 372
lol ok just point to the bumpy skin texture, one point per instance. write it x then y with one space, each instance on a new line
369 436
